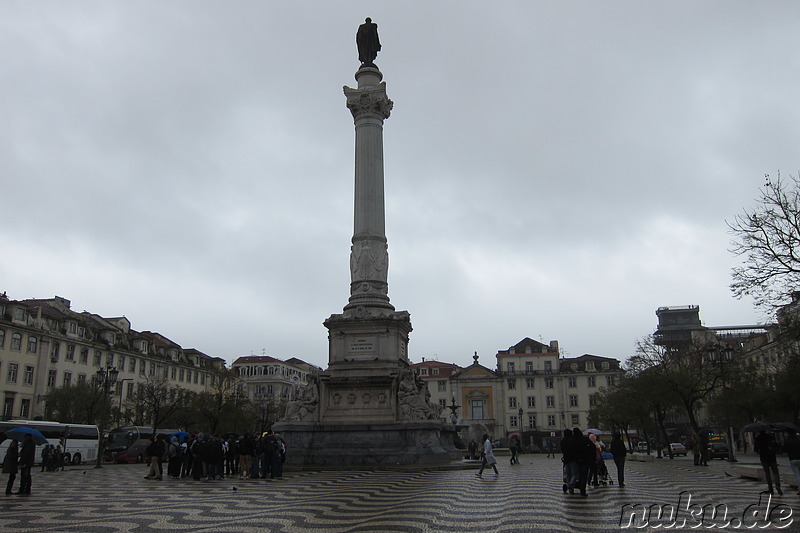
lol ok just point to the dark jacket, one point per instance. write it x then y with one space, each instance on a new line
27 456
568 447
10 462
618 448
792 447
763 445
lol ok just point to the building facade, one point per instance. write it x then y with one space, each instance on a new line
264 377
532 391
44 344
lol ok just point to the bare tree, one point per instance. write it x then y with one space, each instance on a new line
767 237
683 370
155 401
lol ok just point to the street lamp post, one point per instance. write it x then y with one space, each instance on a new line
721 358
104 378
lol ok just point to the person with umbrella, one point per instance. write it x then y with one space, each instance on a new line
10 464
765 447
27 458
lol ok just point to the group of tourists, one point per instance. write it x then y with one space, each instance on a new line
211 457
584 464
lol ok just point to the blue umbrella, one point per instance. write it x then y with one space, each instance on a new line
180 434
20 432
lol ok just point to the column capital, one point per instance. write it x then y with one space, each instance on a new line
369 102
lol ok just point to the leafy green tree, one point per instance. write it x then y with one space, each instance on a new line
80 403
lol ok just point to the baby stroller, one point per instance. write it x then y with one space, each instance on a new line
603 478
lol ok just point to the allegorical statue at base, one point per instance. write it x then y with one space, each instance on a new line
368 43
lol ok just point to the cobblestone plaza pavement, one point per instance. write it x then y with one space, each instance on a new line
525 497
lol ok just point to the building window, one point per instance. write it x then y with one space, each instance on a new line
152 369
203 379
513 421
442 403
592 400
510 367
81 378
12 372
423 371
143 368
84 356
110 359
51 378
181 375
67 379
548 383
73 328
174 373
572 382
121 362
55 350
529 383
551 420
25 408
476 406
8 407
573 400
97 355
27 378
532 421
604 365
132 365
70 352
195 376
442 385
32 341
610 381
590 366
2 337
166 372
575 420
529 367
512 403
551 401
512 384
129 392
548 366
16 342
435 371
590 380
531 401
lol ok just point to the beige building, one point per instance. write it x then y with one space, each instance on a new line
264 377
45 344
532 391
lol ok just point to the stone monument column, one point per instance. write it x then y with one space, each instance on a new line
369 258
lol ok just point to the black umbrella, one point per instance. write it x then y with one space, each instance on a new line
755 427
784 426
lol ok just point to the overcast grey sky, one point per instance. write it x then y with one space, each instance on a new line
554 170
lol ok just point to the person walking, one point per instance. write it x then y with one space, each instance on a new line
512 447
27 457
488 456
10 465
586 454
619 452
156 451
570 460
792 448
765 447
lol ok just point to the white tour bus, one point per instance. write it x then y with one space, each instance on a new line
80 442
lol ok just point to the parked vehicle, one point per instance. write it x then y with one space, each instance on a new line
718 450
677 449
641 447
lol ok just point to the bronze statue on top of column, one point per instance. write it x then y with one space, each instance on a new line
368 43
